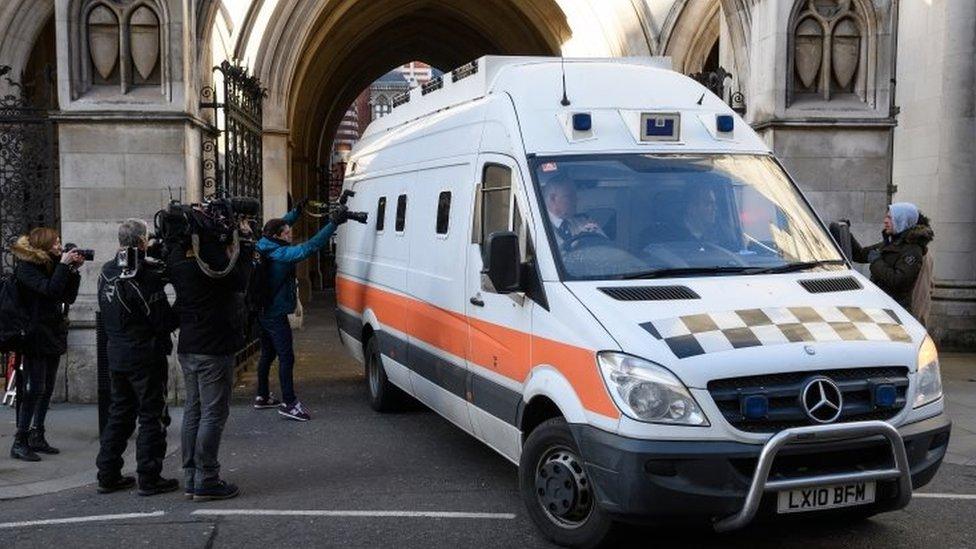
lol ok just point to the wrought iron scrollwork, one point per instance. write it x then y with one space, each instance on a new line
715 82
28 170
231 147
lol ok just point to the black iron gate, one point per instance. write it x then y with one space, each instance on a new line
231 148
28 161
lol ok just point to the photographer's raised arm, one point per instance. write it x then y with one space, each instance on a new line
71 287
54 287
299 252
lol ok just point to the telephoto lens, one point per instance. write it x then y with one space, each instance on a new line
246 206
86 253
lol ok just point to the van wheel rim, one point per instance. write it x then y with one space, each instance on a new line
562 488
374 376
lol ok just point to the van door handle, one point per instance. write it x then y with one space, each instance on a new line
476 301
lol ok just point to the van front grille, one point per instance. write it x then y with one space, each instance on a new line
783 395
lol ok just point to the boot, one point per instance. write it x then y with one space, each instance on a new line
37 442
21 450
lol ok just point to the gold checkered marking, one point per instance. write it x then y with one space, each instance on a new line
693 335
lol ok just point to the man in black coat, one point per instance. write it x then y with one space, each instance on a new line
210 304
138 322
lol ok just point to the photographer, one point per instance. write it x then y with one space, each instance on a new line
210 307
138 322
279 301
48 281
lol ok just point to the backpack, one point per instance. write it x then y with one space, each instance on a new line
14 318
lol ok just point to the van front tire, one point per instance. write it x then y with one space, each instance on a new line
557 491
383 395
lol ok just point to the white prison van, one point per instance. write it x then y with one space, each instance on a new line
599 270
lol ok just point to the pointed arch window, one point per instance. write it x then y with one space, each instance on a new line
829 53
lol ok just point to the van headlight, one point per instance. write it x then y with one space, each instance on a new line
928 377
648 392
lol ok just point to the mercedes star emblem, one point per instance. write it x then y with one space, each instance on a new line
822 400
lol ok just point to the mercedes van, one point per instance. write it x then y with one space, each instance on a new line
598 269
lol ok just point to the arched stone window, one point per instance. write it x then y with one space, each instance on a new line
831 51
118 46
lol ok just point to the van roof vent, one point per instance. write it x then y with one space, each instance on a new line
433 84
827 285
401 99
650 293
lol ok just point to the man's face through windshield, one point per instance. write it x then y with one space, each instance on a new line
701 210
561 198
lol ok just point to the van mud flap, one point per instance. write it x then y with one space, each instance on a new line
813 434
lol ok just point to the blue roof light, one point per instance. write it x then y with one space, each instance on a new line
755 406
582 122
724 123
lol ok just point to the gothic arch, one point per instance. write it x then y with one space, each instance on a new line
21 22
692 27
832 52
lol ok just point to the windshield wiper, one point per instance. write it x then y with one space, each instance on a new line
801 266
687 271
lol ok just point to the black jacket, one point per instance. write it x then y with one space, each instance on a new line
897 260
137 317
211 310
47 287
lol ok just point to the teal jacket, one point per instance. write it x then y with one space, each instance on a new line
281 258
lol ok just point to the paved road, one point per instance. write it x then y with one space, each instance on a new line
350 458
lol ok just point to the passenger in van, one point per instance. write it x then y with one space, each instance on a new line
900 263
561 203
281 256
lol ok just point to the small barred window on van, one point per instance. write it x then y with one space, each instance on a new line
443 212
401 213
380 214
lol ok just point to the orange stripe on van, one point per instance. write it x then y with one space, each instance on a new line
511 353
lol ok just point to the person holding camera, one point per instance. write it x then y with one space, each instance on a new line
209 278
47 281
279 300
138 321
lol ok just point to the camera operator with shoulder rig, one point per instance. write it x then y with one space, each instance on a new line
138 321
208 256
278 300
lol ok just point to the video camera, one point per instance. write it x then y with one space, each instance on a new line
214 224
337 212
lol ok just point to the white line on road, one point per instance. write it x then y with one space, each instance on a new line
944 496
75 520
326 513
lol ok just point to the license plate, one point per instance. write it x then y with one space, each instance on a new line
819 498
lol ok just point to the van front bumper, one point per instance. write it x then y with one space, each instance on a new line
642 480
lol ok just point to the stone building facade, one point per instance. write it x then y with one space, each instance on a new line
865 101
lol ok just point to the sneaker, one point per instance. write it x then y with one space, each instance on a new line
221 490
158 486
296 411
261 403
188 491
114 485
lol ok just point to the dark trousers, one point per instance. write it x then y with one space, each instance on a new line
34 393
209 379
276 341
137 395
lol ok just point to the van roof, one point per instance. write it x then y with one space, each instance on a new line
614 91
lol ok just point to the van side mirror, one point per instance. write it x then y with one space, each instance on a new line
503 262
841 231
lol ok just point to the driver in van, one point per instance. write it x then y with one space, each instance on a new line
561 201
701 208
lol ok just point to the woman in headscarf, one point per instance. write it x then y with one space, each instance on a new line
900 263
48 280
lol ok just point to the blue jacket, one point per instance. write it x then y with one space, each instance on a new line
282 258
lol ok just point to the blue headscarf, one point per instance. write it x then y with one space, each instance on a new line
904 216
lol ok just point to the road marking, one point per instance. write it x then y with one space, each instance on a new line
75 520
326 513
944 496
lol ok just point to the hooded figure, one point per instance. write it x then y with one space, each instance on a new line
900 263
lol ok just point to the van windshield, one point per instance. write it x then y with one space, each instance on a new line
643 216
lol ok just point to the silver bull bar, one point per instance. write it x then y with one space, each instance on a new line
821 433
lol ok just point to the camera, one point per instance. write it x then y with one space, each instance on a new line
86 253
207 229
338 212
